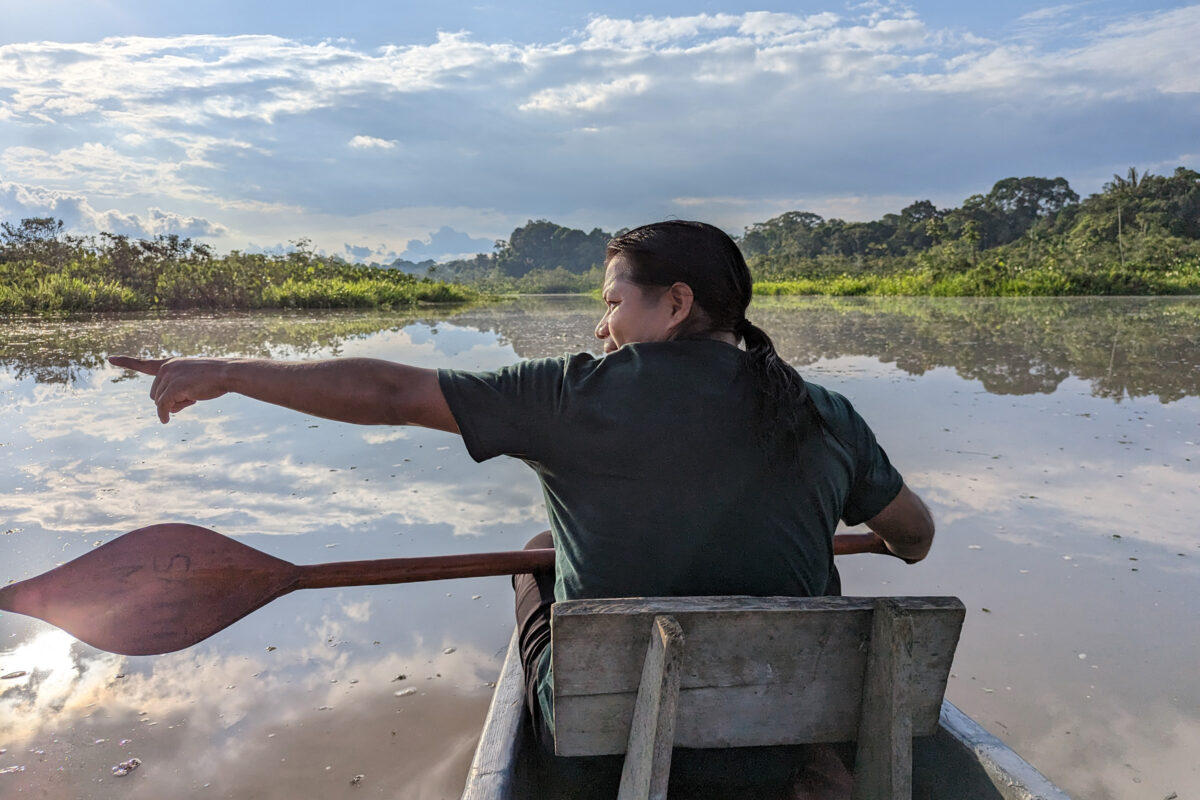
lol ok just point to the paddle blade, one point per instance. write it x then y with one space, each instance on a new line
153 590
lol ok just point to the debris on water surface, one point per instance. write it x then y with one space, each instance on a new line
448 651
10 770
974 547
18 674
477 596
406 692
987 610
126 767
271 648
356 780
1082 656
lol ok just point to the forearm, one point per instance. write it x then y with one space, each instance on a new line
364 391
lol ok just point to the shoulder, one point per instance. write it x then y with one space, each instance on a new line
538 368
839 416
830 404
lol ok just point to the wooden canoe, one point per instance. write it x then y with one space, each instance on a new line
960 761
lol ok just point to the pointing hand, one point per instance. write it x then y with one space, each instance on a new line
178 382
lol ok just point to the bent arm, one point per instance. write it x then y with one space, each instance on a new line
365 391
904 527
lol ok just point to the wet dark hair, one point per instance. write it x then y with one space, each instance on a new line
707 260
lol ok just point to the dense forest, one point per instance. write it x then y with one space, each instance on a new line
1027 236
1139 235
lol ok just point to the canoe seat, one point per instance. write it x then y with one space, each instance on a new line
642 675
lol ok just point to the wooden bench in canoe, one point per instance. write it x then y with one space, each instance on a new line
693 689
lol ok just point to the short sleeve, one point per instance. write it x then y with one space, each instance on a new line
875 482
508 411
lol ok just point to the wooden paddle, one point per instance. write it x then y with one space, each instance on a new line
166 587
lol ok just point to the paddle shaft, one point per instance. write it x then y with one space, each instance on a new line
427 568
475 565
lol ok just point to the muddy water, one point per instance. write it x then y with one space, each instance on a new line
1056 442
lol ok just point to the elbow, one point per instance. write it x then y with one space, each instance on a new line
922 547
922 539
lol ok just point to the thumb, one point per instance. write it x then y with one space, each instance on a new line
147 366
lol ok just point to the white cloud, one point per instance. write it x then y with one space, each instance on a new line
650 31
586 96
18 201
1049 12
371 143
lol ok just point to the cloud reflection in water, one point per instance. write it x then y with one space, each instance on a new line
1038 431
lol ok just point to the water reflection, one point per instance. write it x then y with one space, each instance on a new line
1124 347
1066 524
278 724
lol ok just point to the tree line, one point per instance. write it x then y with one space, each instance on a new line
1027 235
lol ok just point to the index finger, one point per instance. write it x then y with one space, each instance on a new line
147 366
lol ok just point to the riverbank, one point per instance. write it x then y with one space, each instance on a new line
96 282
999 279
239 281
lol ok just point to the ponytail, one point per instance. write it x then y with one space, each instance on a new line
782 397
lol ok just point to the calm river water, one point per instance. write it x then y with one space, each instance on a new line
1055 440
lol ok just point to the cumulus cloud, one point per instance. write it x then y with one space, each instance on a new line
444 244
19 201
586 96
371 143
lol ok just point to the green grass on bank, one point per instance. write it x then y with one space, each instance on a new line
237 281
998 279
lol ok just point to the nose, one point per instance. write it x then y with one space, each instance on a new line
602 328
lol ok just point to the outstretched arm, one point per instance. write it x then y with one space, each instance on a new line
904 527
365 391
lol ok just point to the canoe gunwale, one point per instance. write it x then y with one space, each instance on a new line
501 763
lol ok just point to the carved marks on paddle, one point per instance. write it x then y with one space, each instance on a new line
176 563
126 571
167 617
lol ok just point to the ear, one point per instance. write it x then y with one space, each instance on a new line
681 299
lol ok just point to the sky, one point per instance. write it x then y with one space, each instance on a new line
384 130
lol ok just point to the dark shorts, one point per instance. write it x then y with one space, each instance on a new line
535 595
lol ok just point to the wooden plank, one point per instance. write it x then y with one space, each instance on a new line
883 764
493 772
770 670
647 765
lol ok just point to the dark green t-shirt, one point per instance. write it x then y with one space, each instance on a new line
655 480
